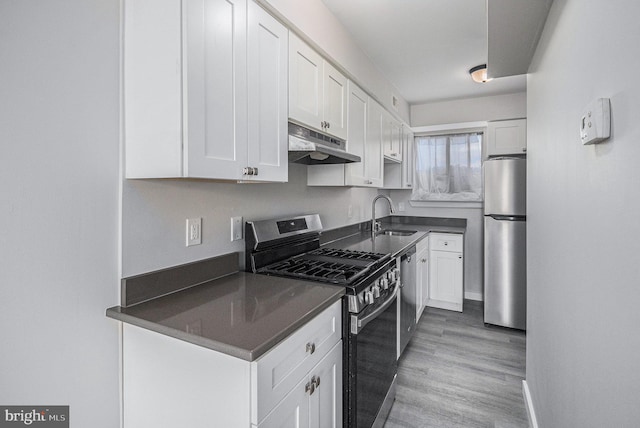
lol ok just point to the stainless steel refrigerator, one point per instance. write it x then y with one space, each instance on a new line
505 235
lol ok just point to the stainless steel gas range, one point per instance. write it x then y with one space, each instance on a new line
290 247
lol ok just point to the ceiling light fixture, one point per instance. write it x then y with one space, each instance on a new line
479 73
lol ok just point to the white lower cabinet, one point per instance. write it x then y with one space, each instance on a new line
422 276
445 271
170 383
312 402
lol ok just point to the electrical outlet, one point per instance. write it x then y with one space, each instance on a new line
401 206
194 231
236 228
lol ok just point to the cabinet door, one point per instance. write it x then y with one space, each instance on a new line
325 410
216 99
355 173
374 157
267 54
408 165
507 137
334 101
305 84
445 280
292 411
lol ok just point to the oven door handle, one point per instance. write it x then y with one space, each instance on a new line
358 324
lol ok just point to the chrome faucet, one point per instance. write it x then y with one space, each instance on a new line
375 225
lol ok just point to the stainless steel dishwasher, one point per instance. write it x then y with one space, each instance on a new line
408 299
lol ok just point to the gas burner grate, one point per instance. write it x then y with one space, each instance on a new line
327 265
347 254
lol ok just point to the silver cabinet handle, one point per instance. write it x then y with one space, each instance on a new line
328 125
311 348
524 150
310 387
316 380
423 260
250 171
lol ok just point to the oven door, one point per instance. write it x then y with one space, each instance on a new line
372 364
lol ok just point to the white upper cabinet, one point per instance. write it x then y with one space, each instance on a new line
374 168
400 175
507 137
334 101
267 58
363 139
215 88
356 172
204 94
408 160
392 138
317 91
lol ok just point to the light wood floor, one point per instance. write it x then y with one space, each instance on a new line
456 372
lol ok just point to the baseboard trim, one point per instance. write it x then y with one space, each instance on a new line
470 295
533 422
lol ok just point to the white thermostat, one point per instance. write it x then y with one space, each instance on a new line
595 124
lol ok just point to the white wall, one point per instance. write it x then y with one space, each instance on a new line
59 183
583 345
496 107
315 21
154 214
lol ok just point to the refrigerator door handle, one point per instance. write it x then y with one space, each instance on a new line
509 217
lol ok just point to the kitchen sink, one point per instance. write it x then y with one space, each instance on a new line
397 232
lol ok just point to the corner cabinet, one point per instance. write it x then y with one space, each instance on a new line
364 139
445 271
400 176
205 90
317 91
507 137
298 383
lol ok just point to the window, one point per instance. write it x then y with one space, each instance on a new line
448 167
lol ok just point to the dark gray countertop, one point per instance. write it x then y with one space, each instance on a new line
243 314
395 245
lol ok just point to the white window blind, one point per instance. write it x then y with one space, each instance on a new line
448 168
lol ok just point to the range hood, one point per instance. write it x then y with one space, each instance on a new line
313 148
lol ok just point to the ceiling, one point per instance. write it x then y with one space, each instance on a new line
425 48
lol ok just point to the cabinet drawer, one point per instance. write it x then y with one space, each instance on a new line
445 242
277 372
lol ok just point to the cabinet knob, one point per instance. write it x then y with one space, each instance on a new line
459 257
423 260
328 125
311 348
310 387
524 150
316 380
250 171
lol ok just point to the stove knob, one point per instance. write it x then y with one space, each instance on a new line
385 283
368 297
391 276
376 291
